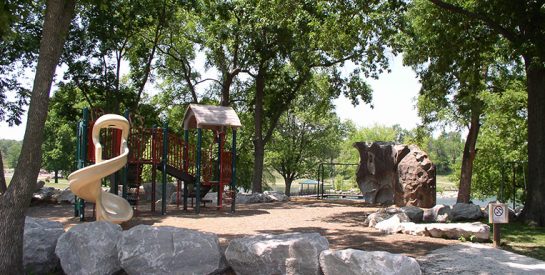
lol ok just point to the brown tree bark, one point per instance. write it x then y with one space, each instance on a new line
287 188
3 185
16 199
259 143
464 190
534 208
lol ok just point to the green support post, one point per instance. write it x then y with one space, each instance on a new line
220 149
80 203
198 172
165 159
234 170
125 170
186 165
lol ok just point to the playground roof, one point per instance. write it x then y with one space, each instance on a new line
210 117
308 181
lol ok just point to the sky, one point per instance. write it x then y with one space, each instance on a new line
394 101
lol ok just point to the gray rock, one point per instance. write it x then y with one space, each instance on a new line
439 213
245 198
39 242
291 253
90 248
38 186
375 218
476 230
45 194
276 196
146 249
356 262
66 196
414 213
393 224
465 212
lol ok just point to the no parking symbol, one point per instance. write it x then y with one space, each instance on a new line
498 213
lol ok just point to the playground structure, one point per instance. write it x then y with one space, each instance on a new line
154 149
86 182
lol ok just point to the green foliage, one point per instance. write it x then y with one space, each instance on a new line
20 32
309 133
503 139
10 152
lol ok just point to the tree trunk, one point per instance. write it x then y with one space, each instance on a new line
259 143
15 201
287 189
534 208
3 185
56 176
464 191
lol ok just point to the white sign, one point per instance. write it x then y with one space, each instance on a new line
498 213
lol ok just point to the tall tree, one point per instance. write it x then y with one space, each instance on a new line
308 133
15 201
521 26
456 61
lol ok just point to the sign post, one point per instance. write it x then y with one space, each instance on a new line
497 214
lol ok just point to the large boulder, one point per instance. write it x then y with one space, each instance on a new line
39 242
90 248
146 249
416 185
357 262
465 212
291 253
376 175
477 231
376 217
400 174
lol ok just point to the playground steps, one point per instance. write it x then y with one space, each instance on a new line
186 178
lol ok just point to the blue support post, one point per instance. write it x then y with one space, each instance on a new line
234 171
165 159
198 172
186 165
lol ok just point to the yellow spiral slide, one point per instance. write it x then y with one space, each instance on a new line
86 183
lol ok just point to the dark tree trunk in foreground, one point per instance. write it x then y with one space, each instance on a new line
534 208
3 185
15 201
464 190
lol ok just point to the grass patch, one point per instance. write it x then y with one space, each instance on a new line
523 239
63 184
443 183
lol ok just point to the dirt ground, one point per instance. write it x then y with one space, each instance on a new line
341 222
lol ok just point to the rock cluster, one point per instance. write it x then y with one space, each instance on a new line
406 220
267 196
52 195
391 173
104 248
